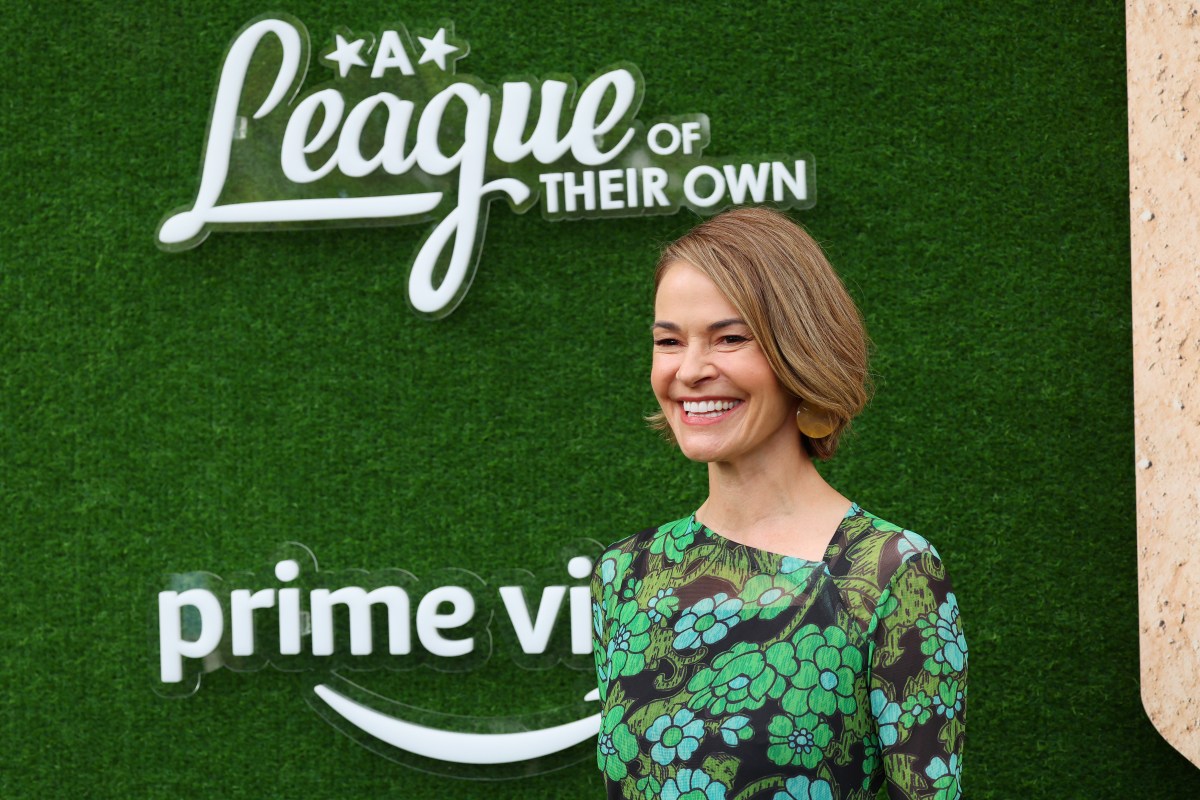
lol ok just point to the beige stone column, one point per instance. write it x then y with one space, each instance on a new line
1163 72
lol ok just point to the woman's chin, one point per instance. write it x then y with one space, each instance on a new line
701 451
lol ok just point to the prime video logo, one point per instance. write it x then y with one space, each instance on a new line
294 617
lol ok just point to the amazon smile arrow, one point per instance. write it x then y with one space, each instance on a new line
462 747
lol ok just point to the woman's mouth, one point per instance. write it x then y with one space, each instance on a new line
707 410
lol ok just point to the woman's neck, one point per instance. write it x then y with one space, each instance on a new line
780 504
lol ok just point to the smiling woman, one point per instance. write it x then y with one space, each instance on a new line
810 649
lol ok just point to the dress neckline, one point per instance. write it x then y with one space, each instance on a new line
831 549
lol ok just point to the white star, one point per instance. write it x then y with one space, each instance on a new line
436 49
346 55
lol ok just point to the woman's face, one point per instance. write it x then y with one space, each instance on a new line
714 384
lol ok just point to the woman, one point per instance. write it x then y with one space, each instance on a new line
780 642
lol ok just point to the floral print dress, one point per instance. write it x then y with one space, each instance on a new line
732 673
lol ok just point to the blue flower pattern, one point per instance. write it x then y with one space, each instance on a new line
948 701
801 787
689 781
735 729
886 714
662 605
952 645
675 737
707 621
946 776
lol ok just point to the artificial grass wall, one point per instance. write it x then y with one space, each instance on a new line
177 412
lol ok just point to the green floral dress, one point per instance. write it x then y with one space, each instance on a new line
732 673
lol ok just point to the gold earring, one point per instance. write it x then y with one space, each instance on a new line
814 424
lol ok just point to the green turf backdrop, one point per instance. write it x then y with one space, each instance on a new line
175 412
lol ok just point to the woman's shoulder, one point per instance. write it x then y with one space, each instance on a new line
872 545
677 531
876 559
628 554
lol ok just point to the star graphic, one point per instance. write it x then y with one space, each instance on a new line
436 49
346 54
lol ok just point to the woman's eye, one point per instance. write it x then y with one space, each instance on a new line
733 338
666 342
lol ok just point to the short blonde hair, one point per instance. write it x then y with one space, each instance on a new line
779 280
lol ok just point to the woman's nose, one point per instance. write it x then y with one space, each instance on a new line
696 366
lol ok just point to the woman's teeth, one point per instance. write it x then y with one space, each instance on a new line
708 408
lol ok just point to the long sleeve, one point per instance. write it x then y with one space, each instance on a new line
918 682
599 632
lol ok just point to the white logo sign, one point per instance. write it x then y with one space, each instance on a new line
395 137
296 617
